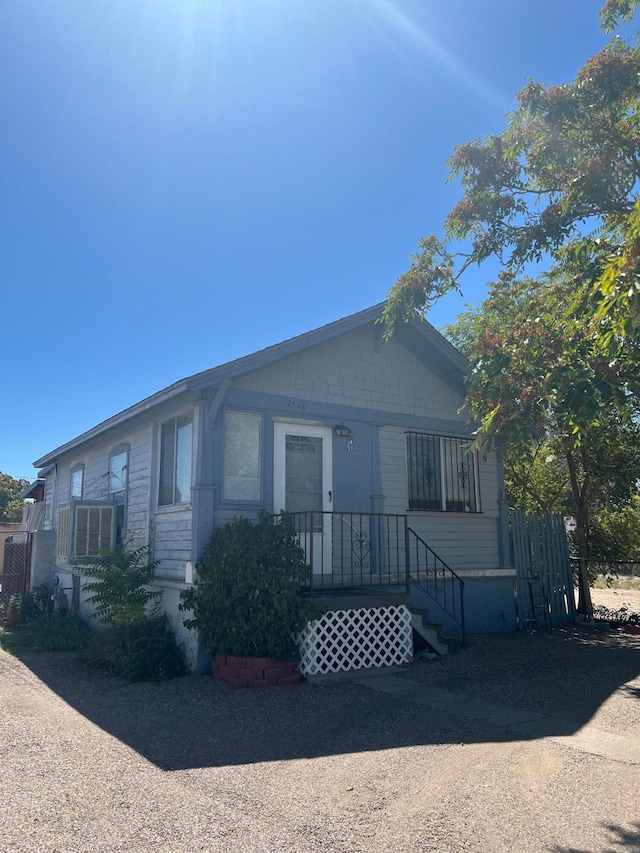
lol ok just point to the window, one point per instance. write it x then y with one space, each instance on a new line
176 450
77 482
442 474
242 456
118 470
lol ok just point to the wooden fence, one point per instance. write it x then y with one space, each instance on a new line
545 593
16 567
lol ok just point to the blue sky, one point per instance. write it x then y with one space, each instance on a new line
183 182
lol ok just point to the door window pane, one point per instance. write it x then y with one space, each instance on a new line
303 478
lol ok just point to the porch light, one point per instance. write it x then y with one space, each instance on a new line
343 431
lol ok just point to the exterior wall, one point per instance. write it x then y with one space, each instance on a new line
96 479
463 540
196 660
489 606
349 370
167 529
172 541
43 557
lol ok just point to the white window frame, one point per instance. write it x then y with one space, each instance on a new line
76 469
114 494
174 463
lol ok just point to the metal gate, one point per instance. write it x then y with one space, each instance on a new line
16 567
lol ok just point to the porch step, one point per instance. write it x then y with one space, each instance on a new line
345 598
431 632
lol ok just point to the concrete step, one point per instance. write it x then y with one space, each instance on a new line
432 634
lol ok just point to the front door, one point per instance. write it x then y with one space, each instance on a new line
303 483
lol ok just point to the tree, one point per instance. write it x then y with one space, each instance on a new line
560 185
563 175
10 502
615 11
536 478
539 382
615 534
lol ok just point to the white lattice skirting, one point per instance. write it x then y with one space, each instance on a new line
356 639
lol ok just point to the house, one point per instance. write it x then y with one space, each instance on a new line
363 439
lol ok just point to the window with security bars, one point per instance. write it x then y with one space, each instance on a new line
442 474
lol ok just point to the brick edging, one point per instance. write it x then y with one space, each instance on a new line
254 672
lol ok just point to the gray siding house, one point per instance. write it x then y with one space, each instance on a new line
363 439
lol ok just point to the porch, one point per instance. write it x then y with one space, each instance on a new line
365 560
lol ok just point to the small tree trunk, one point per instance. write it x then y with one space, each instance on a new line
585 606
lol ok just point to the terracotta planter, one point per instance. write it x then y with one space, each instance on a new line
254 672
631 628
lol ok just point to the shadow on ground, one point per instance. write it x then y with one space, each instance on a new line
620 838
196 722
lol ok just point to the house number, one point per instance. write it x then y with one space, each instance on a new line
299 405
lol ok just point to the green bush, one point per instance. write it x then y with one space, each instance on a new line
51 632
120 577
133 643
144 650
246 597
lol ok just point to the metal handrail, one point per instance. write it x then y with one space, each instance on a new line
376 549
433 581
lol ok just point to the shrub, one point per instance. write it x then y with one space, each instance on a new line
144 650
52 632
246 599
133 643
120 596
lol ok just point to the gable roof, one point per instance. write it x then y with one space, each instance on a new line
417 335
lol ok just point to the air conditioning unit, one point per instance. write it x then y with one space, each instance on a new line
85 529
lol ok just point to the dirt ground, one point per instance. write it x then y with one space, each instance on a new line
92 763
614 599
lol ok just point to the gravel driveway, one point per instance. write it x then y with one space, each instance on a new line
92 763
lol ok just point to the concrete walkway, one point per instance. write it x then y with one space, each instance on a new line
521 721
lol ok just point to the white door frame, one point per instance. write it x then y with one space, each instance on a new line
321 540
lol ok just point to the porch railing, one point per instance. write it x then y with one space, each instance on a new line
360 549
353 549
